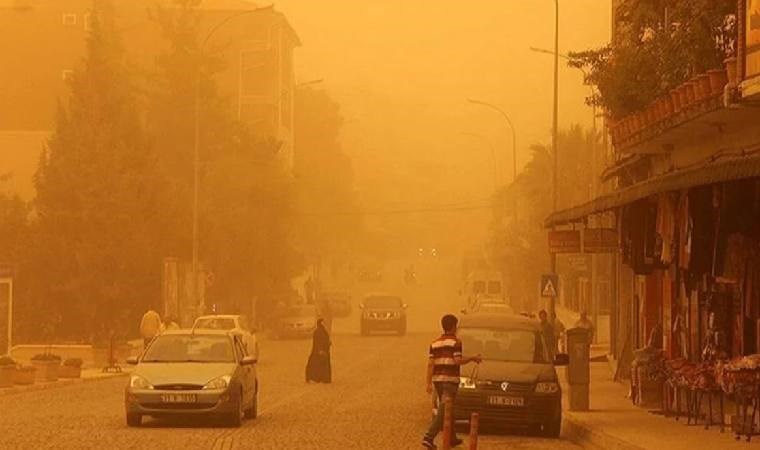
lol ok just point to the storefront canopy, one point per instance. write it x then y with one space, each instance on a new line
717 171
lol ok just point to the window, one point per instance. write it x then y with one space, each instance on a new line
190 348
503 345
88 22
66 74
69 19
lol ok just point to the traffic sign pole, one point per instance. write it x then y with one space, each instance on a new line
9 282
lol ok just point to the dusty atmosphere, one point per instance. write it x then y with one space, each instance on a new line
379 224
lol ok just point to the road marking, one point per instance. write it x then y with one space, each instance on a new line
224 443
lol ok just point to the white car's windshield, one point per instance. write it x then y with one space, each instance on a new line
503 345
190 348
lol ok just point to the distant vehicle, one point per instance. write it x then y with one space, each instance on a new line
370 275
233 323
193 373
338 302
516 385
482 286
298 321
382 312
487 307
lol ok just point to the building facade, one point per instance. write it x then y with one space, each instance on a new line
50 41
685 210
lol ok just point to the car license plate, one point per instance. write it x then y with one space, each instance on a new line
506 401
178 398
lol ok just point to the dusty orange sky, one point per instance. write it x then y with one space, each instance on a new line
402 70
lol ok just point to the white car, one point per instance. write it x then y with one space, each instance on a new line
233 323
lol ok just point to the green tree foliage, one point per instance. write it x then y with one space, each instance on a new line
518 246
245 195
329 225
97 199
659 44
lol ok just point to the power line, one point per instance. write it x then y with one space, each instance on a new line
400 211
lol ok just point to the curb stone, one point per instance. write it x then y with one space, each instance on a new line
57 384
583 434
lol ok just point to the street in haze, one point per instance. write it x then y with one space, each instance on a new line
376 401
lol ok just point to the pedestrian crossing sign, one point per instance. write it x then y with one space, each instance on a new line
549 285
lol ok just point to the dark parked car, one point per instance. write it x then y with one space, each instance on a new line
382 312
297 321
516 385
184 372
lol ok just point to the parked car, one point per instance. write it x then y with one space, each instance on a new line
338 302
298 321
192 372
382 312
516 385
233 323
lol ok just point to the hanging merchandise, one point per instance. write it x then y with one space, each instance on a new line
685 230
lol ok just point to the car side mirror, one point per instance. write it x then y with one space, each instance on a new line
361 305
132 360
404 306
561 359
248 361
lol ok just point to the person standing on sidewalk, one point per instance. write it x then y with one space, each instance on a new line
559 333
547 330
445 358
586 323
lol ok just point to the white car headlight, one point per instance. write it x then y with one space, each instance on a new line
138 382
466 383
547 388
218 383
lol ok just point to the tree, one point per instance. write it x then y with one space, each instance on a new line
330 224
659 44
520 247
97 198
246 197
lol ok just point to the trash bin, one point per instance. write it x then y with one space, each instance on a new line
578 376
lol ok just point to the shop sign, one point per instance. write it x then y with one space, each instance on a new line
753 38
565 241
600 240
578 263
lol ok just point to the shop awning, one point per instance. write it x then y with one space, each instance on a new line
717 171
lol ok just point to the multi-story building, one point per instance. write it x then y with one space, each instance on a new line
45 40
684 211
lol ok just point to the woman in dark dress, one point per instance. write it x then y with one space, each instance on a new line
318 369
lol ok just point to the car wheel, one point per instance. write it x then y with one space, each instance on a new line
402 329
553 428
134 420
253 411
235 418
364 330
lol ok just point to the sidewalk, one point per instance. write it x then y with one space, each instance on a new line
87 376
615 423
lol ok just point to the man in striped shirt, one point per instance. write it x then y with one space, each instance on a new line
443 373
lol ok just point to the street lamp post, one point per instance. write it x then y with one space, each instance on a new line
511 127
196 153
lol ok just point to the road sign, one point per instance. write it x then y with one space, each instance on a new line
549 285
565 241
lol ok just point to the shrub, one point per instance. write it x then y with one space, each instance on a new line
46 357
73 362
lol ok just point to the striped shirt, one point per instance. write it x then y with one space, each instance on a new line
443 353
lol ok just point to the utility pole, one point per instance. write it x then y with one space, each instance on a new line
555 131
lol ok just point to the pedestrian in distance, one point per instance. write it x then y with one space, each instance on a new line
150 326
547 331
444 361
585 323
319 368
559 332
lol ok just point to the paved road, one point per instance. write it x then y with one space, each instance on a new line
377 401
